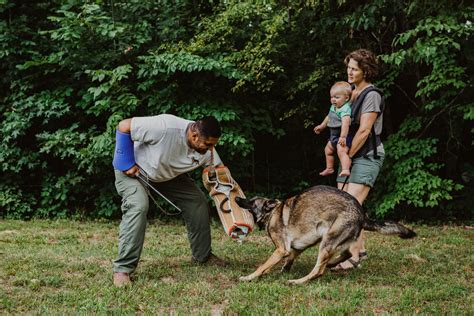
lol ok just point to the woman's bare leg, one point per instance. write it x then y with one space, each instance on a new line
360 192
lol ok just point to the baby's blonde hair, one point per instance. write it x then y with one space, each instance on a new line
342 86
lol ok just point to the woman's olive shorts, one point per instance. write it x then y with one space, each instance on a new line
364 170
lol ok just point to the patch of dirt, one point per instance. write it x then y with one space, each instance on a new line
168 280
9 232
218 309
223 280
415 257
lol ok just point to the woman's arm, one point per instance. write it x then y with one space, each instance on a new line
367 120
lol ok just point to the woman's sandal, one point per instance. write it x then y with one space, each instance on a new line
363 255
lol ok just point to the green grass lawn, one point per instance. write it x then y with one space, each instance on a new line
64 267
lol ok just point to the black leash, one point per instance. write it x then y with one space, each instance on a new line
345 181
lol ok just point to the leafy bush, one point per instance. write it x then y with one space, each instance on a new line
72 70
409 175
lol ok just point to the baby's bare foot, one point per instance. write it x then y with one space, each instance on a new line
326 172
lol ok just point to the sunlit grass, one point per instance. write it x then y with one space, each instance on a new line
64 267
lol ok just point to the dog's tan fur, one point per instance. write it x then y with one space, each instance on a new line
321 214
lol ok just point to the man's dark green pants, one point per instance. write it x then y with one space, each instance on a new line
183 192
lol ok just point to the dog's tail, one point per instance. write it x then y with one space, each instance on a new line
389 228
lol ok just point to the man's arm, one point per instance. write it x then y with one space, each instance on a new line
125 126
124 154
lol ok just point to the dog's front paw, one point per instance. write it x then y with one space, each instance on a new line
247 278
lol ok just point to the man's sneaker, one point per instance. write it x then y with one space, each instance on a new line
122 279
211 260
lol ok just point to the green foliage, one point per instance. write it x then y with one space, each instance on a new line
14 203
168 63
409 175
435 41
72 70
413 173
247 33
59 195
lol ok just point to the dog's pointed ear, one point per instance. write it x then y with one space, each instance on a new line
271 204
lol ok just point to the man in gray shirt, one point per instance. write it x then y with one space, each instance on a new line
162 149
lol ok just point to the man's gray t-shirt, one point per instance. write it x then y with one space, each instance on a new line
161 147
373 103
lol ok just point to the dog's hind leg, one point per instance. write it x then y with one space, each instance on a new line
294 253
329 247
275 258
343 256
324 256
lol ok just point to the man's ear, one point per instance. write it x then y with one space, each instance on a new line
194 135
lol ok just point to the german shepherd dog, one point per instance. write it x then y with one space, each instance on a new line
321 214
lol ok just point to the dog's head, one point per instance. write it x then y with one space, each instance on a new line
261 208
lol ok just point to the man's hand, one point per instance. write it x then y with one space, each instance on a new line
318 129
132 171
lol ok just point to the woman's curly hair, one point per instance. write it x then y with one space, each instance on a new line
367 61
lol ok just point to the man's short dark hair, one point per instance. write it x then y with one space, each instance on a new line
208 126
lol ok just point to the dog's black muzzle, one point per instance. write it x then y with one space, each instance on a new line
243 203
247 204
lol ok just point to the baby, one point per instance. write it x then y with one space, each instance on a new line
338 120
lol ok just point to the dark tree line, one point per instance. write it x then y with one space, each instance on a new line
73 69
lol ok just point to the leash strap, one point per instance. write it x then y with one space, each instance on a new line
147 185
345 181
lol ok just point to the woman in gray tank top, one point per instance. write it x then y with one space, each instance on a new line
366 152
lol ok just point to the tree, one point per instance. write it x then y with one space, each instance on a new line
73 70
